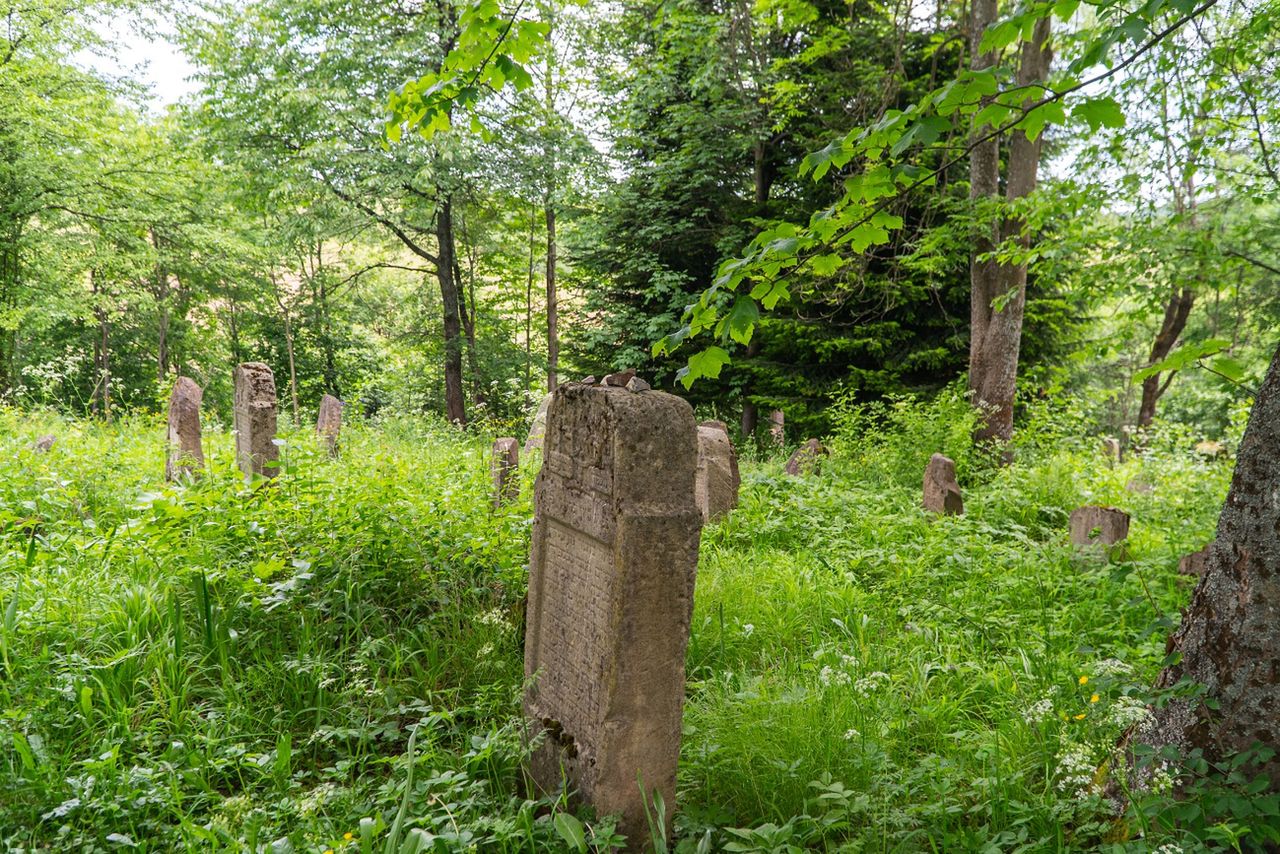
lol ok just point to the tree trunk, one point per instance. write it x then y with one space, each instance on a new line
548 204
454 395
553 341
999 291
1175 320
326 329
762 176
1229 639
528 305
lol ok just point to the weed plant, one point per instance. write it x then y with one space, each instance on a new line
333 661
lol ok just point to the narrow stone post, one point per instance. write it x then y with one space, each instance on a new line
941 489
538 428
185 456
505 466
778 428
717 480
1111 448
329 423
255 420
614 554
1092 525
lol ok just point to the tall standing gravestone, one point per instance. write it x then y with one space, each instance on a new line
941 489
186 451
614 555
505 467
717 480
778 428
255 420
329 423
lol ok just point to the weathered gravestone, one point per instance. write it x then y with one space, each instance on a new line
538 429
1111 448
329 423
716 481
44 444
778 427
807 458
941 489
255 420
1139 486
1194 563
614 554
1092 525
505 467
185 458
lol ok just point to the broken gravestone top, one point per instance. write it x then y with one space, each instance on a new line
941 489
329 423
717 479
538 428
185 456
1093 525
614 554
807 458
255 420
504 465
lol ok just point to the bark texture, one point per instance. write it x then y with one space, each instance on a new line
1176 312
1229 638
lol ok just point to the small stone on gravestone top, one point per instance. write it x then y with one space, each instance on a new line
637 384
505 467
807 458
44 444
1092 525
538 428
777 427
185 457
717 479
329 422
255 420
612 566
621 378
941 489
591 380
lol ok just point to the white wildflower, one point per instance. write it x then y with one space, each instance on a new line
1161 781
747 629
1075 772
830 676
850 734
1127 711
495 618
1112 667
869 683
1168 848
1039 711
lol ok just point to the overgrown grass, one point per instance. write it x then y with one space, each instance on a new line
215 667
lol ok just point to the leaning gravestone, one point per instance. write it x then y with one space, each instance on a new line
505 466
538 429
807 458
44 444
185 458
941 489
778 427
329 423
255 420
1092 525
716 481
611 576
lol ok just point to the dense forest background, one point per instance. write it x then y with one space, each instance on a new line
560 227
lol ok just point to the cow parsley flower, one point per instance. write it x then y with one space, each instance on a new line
1075 772
1039 711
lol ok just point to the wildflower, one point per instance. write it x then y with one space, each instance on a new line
348 836
1162 780
1113 667
1079 717
1039 711
830 676
747 629
1127 711
1094 698
1084 680
870 683
496 618
1075 772
850 734
1168 848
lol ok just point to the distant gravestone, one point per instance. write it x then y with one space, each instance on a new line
1194 563
717 479
1092 525
255 420
538 429
505 467
941 489
185 458
614 555
1111 448
1139 486
807 458
44 444
1211 449
778 428
329 423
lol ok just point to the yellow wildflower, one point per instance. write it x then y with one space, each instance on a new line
1093 699
1084 680
1080 716
350 836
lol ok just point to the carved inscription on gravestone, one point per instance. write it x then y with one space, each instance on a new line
614 554
186 451
255 420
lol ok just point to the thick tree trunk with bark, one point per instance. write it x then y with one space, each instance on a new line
1175 320
553 335
1229 639
454 395
999 291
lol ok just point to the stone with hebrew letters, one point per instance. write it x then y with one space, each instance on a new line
807 458
611 577
1094 525
717 479
329 423
538 428
941 489
505 467
255 420
185 458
